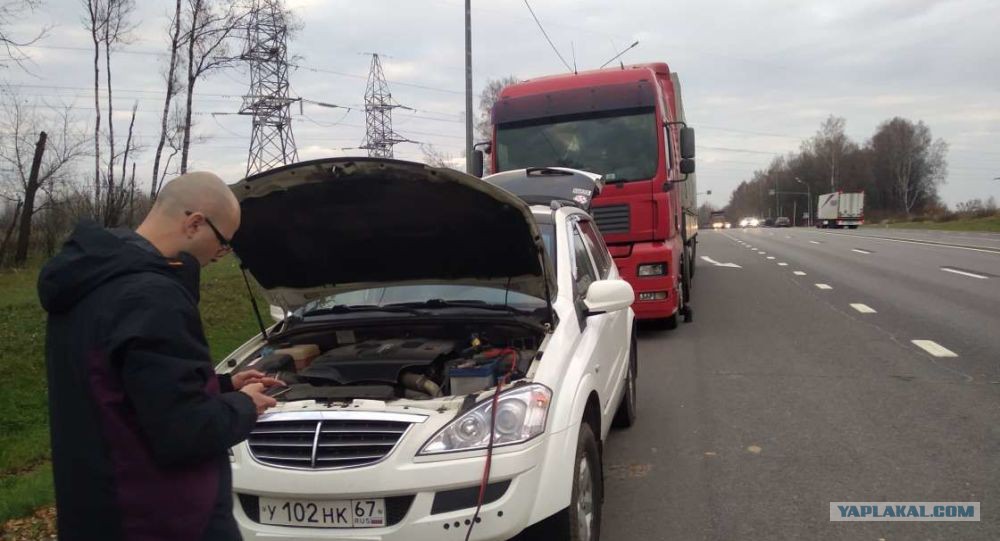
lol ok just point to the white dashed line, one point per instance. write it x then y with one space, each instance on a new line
782 264
823 286
934 348
814 242
762 253
963 273
863 308
770 257
799 273
866 252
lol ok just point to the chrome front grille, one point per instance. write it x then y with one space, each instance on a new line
611 218
327 440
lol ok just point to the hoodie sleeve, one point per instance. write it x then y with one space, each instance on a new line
167 372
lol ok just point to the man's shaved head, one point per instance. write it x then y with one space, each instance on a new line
200 191
186 212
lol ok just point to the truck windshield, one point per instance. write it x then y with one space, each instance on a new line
621 145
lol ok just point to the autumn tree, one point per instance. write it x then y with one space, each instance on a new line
909 162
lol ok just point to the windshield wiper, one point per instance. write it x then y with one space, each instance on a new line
356 308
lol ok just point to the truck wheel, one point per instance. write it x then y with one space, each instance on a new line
625 416
581 521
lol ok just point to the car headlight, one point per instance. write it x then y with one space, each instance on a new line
652 269
521 415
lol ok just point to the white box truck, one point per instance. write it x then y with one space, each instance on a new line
840 209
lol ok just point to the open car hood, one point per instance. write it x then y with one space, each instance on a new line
334 225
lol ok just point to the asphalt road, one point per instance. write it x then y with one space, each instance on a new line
782 397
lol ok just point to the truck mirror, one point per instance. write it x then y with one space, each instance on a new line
687 166
687 143
477 163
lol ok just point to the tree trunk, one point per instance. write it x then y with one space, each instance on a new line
24 235
171 74
112 194
97 122
191 77
10 231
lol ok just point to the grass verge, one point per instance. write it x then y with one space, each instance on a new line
988 224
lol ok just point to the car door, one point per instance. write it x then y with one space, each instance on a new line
595 340
619 330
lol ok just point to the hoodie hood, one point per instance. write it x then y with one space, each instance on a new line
93 256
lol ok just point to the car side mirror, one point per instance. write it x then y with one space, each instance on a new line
477 163
608 296
687 166
687 142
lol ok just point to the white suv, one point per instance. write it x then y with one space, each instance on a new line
415 302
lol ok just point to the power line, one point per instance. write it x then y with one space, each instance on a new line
568 68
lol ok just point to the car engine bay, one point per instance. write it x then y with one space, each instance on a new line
418 362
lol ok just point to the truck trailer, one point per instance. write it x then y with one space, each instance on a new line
628 125
840 209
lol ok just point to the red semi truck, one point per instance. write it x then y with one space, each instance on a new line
628 125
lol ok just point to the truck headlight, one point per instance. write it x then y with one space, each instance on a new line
521 415
653 269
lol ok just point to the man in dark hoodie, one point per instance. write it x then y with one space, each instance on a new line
140 422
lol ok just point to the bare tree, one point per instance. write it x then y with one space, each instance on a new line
909 160
487 99
435 157
11 12
116 29
212 25
38 165
94 23
173 86
831 144
10 230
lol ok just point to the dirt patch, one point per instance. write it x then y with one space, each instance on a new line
40 525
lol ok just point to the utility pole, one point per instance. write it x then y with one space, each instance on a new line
468 86
809 200
272 143
379 137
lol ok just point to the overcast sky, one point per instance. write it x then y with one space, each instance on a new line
758 75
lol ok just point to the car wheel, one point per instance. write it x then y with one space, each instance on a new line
581 521
627 409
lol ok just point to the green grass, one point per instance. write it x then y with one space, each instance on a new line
24 448
989 224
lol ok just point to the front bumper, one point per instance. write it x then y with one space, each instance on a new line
424 500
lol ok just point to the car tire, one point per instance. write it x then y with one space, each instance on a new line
628 407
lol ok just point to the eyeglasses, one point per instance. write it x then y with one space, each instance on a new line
223 241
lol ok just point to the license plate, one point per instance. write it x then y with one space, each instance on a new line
323 513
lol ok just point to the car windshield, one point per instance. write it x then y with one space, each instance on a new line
407 294
621 145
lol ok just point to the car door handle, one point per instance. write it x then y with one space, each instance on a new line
597 368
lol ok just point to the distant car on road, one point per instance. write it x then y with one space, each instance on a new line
769 222
749 222
782 221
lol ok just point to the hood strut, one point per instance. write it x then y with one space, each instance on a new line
253 301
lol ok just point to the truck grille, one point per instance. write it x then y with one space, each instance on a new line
324 443
612 218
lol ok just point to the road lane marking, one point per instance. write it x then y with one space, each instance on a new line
934 348
823 286
782 264
762 253
770 257
983 249
799 273
863 308
788 236
963 273
814 242
717 264
866 252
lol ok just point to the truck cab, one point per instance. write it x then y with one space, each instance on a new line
628 126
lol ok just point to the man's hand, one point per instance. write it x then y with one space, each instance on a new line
247 377
260 400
